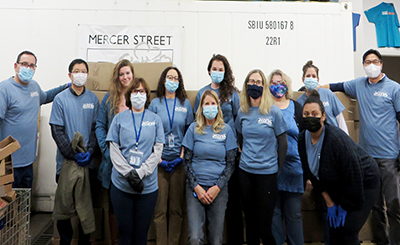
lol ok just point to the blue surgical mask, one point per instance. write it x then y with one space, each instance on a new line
278 90
217 76
138 100
210 111
310 83
171 86
254 91
25 74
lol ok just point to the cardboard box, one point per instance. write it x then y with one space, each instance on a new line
351 106
192 97
100 95
354 129
150 72
296 94
100 75
8 146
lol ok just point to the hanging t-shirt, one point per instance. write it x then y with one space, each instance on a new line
209 152
387 25
122 132
260 146
356 21
75 114
181 116
333 106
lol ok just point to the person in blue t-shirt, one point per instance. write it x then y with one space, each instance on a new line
176 113
136 139
74 110
333 106
339 170
20 101
379 102
112 104
287 223
209 157
262 138
223 83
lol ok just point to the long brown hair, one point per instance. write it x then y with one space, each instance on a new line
116 89
180 92
227 86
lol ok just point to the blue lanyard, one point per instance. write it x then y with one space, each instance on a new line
173 113
140 128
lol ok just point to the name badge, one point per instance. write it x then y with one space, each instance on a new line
171 140
135 158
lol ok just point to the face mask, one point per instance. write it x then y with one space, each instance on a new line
138 100
217 76
278 90
171 86
312 124
210 111
25 74
372 71
310 83
254 91
79 79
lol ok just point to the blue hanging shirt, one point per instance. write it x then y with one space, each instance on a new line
387 25
356 21
182 118
333 106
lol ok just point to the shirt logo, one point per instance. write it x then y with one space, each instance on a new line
88 106
387 13
181 109
35 94
219 136
325 103
148 123
265 121
380 94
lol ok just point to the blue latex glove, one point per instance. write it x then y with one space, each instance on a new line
164 164
332 215
177 162
341 217
68 85
82 158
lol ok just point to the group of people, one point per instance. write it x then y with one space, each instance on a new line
254 152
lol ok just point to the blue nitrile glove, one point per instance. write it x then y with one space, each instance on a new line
68 85
176 162
164 164
82 158
332 215
341 217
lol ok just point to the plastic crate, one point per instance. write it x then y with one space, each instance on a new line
14 219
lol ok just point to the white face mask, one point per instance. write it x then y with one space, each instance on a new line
372 71
79 79
138 100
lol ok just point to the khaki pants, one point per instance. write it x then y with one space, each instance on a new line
169 206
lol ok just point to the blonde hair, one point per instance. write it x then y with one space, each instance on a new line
266 99
285 79
219 123
116 89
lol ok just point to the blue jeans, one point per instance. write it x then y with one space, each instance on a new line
286 221
134 213
389 195
198 212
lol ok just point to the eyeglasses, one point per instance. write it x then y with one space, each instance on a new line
142 91
172 78
256 82
26 65
276 82
375 62
78 71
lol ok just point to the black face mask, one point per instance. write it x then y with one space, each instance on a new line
254 91
312 124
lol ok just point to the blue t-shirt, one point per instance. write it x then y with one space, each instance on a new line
260 146
209 152
378 105
75 114
314 152
182 118
19 108
333 106
291 176
387 25
122 132
356 21
229 109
